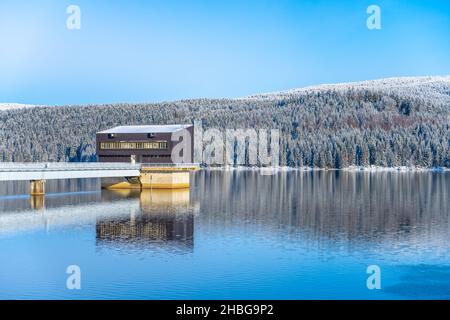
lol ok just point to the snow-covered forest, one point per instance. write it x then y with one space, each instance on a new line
390 122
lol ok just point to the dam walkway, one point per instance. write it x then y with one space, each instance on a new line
38 172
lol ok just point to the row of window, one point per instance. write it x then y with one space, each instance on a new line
160 145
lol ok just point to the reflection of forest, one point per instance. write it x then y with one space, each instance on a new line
328 203
321 204
164 215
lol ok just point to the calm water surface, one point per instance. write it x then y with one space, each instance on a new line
232 235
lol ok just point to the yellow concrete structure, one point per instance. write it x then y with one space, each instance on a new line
154 177
125 185
164 180
158 178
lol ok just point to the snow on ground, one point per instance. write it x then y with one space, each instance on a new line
268 170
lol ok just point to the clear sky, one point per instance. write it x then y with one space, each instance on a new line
145 51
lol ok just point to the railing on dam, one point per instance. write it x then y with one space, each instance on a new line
80 166
66 170
38 172
11 171
66 166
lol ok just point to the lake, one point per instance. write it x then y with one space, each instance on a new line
233 235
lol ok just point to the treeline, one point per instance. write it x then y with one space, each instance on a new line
326 128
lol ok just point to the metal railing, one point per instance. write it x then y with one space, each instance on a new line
78 166
66 166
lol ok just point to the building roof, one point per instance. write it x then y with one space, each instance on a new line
147 129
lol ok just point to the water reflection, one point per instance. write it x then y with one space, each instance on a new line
329 205
121 218
319 205
37 202
165 217
422 282
256 236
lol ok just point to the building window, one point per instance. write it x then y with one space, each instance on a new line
150 135
110 135
134 145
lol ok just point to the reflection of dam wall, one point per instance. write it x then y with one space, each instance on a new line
157 198
14 194
172 201
52 186
169 201
79 214
160 207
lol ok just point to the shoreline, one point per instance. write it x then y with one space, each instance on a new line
347 169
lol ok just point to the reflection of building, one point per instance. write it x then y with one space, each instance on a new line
171 200
37 202
165 216
143 144
147 227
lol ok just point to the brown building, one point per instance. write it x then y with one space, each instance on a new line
141 144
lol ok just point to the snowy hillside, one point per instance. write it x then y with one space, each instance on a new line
385 123
435 89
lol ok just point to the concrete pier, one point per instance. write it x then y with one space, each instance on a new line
158 177
164 180
37 187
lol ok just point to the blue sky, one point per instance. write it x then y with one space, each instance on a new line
145 51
